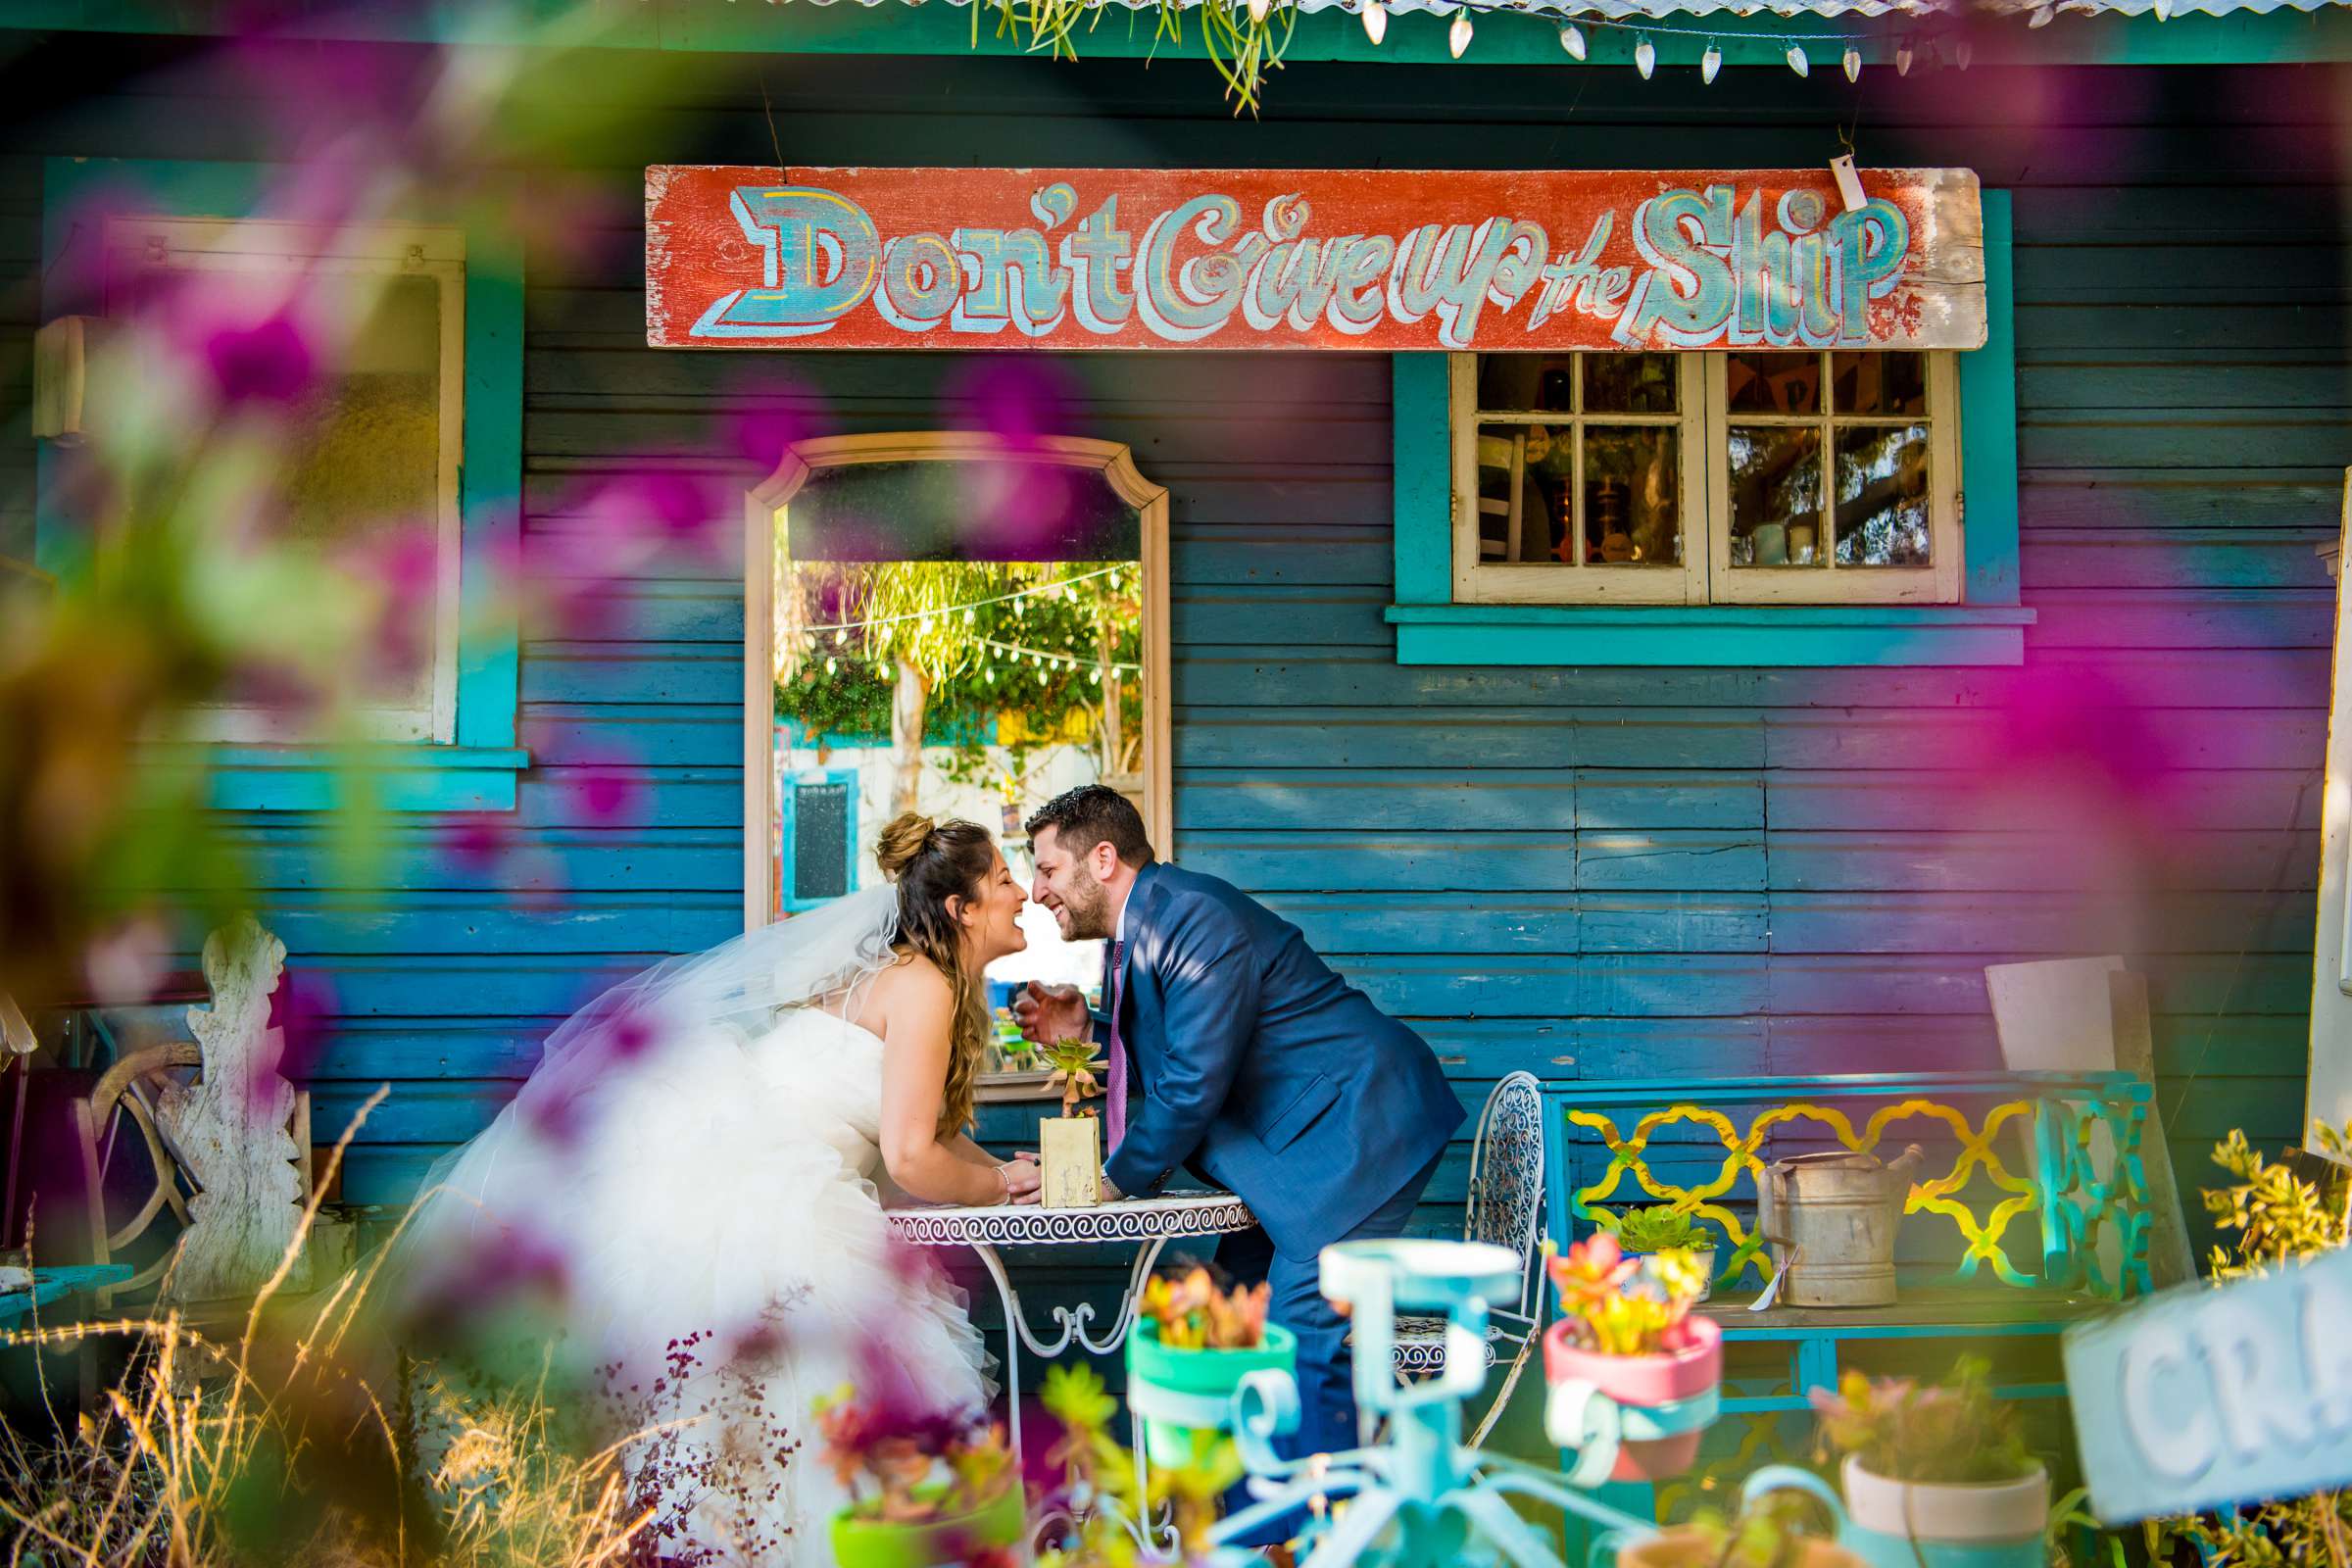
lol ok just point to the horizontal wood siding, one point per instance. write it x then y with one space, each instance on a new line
1582 872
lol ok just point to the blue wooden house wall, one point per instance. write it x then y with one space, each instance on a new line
1584 872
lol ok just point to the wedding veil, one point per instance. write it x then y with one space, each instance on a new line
823 957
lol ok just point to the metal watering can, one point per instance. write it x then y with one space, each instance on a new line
1831 1220
1997 1526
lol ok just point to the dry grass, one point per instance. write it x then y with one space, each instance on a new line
282 1448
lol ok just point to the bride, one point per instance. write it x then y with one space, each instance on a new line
694 1165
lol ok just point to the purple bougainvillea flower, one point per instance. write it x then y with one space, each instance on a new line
609 791
405 569
264 361
476 842
301 1008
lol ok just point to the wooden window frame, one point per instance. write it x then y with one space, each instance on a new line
1708 576
479 768
1479 582
1936 583
767 505
259 246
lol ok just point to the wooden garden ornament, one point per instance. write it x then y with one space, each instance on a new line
230 1127
1071 1145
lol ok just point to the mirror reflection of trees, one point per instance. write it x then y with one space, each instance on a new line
988 665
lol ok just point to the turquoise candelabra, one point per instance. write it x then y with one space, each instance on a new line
1418 1497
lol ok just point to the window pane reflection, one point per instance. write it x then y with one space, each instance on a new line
1519 383
1883 496
1630 494
1628 384
1878 383
1773 383
1776 496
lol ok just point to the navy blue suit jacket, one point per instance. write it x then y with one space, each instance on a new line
1260 1068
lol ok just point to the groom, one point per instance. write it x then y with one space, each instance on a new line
1235 1052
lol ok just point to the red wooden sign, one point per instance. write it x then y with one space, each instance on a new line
1334 259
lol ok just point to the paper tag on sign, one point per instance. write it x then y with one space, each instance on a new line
1850 183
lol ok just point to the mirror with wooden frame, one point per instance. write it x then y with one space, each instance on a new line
939 623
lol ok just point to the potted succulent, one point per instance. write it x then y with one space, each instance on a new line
922 1492
1071 1145
1193 1344
1626 1333
1935 1471
1645 1233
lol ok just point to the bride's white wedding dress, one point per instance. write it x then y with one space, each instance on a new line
710 1193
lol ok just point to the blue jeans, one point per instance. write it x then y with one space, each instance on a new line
1294 1299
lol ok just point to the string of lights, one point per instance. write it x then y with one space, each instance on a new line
1040 655
1645 53
966 610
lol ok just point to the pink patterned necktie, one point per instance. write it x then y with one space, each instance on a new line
1115 1110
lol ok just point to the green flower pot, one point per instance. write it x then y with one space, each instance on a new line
1177 1393
882 1544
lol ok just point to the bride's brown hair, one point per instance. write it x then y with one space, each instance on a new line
933 862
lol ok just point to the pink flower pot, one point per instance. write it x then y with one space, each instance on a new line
1660 1387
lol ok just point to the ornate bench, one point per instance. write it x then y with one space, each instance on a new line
2032 1210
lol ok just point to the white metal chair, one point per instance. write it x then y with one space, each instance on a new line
1507 1209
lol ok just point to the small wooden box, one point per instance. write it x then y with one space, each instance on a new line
1071 1152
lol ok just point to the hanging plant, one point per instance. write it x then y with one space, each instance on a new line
1244 39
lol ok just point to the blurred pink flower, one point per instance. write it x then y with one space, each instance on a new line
609 791
477 842
128 966
301 1008
269 361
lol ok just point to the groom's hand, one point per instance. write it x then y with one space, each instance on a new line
1046 1013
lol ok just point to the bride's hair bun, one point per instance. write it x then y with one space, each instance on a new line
907 836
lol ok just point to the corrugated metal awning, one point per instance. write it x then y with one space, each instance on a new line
1667 11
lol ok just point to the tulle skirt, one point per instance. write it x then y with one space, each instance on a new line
721 1253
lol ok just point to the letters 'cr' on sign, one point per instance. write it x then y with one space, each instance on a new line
2204 1398
1382 260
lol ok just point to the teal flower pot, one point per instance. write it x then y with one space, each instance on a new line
884 1543
1175 1394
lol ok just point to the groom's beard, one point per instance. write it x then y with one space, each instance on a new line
1089 907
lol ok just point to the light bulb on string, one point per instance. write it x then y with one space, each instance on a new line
1258 9
1646 57
1572 39
832 667
1709 64
1852 63
1903 56
2042 17
1797 60
1458 37
971 617
1376 22
1965 51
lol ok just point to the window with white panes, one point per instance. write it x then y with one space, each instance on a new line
1752 477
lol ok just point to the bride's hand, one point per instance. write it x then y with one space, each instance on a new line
1020 1177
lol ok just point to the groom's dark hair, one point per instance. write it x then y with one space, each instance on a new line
1092 814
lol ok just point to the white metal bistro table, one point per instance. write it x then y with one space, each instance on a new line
1150 1224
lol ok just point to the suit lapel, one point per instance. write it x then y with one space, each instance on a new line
1140 998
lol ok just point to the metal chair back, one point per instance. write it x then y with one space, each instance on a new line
1506 1181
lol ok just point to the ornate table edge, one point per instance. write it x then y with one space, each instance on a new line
1207 1214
